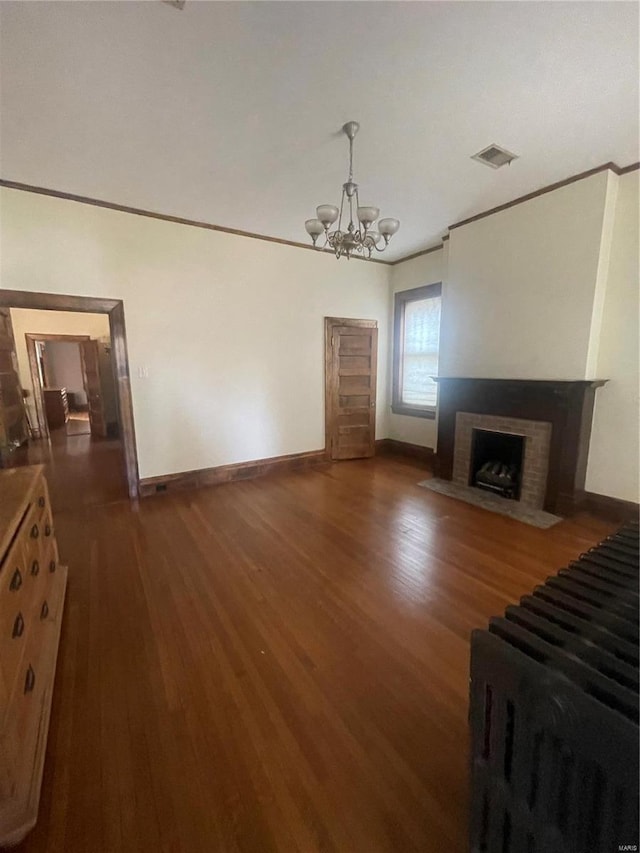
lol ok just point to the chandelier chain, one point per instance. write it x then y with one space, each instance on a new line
351 158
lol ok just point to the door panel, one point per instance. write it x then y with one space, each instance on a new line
93 387
350 387
13 421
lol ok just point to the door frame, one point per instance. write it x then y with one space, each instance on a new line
115 309
32 339
329 324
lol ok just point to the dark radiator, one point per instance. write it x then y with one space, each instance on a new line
554 712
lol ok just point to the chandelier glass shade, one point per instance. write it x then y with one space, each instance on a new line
360 238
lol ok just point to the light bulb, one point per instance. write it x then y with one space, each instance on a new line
388 227
314 229
327 214
368 215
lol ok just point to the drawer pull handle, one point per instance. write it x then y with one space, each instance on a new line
52 566
18 627
41 501
44 611
16 581
47 530
30 680
35 568
35 532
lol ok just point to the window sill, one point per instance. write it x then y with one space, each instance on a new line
400 409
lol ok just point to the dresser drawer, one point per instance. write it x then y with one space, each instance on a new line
14 632
32 586
41 497
23 710
51 560
40 603
50 596
14 595
36 551
37 530
23 583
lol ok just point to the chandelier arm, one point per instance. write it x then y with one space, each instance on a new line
360 225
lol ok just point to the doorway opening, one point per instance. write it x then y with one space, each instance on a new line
99 404
73 384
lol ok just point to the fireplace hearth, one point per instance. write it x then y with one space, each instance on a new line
553 419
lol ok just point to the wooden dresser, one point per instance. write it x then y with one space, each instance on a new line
56 405
32 589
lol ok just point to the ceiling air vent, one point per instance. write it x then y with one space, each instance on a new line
494 156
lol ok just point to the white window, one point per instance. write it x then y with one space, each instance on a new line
416 342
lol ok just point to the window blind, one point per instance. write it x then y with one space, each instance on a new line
420 351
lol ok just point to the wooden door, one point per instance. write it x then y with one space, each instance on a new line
93 387
13 420
351 355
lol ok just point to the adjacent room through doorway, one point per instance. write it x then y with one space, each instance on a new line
68 410
72 378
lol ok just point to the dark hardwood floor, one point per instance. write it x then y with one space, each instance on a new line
274 665
80 470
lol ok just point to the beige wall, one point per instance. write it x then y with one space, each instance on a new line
426 269
51 323
614 449
65 368
548 289
230 329
521 286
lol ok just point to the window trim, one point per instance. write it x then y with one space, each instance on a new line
401 298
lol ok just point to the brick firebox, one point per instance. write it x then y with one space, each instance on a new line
535 463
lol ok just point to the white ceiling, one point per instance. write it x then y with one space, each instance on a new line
230 112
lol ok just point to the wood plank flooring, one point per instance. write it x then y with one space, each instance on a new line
278 664
80 470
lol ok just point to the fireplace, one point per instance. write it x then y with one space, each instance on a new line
516 442
552 419
496 462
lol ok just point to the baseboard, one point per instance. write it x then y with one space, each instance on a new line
230 473
613 509
392 447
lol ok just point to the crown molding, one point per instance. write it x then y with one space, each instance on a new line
418 254
632 167
178 220
613 167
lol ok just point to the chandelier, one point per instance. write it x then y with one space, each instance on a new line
360 240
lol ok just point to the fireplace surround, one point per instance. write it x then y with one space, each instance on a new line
554 416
